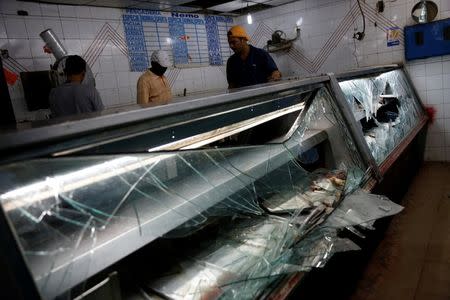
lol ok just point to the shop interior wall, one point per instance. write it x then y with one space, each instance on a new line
326 44
94 32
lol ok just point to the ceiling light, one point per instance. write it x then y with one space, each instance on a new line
249 19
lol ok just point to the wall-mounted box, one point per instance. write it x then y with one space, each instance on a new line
427 40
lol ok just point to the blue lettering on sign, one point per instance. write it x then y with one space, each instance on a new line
139 62
138 11
181 15
175 21
156 19
179 47
133 38
133 32
127 18
137 50
139 59
223 19
133 22
192 21
212 33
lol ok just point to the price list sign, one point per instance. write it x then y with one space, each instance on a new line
191 39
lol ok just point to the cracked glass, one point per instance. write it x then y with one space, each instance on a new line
75 216
386 108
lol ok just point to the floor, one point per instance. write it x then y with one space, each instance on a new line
413 260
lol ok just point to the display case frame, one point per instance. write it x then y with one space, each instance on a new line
97 135
422 122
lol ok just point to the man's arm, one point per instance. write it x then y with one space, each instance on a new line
143 92
272 69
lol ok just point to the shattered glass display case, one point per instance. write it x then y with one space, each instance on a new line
384 102
217 197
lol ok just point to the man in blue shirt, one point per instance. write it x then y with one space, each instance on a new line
248 65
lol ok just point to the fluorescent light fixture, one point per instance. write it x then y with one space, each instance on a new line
249 19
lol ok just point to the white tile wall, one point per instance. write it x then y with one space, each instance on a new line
434 82
66 10
87 30
15 28
34 26
41 64
70 29
20 47
83 12
33 9
49 10
320 18
55 24
73 46
77 28
123 79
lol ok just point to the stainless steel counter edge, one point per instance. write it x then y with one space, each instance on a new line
55 131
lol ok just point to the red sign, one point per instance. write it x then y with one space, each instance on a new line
11 77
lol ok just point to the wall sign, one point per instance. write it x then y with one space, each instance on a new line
192 39
393 36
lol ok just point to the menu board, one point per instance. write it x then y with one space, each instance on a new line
191 39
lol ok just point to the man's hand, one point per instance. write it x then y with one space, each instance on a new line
275 76
47 49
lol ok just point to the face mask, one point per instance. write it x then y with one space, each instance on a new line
158 69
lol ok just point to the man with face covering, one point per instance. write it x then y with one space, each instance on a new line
153 87
248 65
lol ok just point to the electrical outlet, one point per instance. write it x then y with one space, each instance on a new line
359 35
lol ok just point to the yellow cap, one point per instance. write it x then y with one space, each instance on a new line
239 32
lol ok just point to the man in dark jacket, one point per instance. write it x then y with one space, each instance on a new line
248 65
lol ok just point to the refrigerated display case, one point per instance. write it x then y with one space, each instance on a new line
390 116
216 197
385 103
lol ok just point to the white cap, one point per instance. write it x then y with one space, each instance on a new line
161 57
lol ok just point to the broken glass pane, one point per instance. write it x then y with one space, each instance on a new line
76 216
386 108
250 254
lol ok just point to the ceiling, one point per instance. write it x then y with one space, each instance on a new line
222 7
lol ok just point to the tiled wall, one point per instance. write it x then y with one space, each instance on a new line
93 32
326 45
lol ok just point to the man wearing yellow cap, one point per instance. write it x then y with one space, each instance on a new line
248 65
